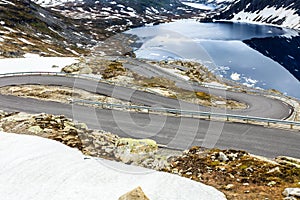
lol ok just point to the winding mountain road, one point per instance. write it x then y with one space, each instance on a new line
175 132
258 106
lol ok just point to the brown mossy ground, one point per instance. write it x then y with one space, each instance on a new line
113 69
251 177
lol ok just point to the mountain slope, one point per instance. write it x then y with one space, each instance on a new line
27 27
110 17
285 13
66 28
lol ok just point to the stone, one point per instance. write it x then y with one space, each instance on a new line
71 68
137 146
229 187
272 183
135 194
294 192
276 169
19 117
82 126
68 128
35 129
223 157
289 198
85 70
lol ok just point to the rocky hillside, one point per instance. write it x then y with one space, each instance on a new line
27 27
68 28
106 17
285 13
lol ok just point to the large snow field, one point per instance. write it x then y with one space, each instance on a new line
36 168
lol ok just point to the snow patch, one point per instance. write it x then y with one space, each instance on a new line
34 63
26 41
235 76
37 168
198 5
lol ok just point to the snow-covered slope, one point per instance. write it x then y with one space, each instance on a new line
33 168
285 13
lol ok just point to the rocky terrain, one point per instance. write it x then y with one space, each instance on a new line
115 70
110 17
96 143
72 28
27 27
238 174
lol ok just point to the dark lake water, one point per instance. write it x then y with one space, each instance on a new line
256 55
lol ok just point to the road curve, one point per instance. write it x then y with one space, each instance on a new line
258 106
175 132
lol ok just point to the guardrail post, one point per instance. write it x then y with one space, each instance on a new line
291 126
227 118
209 117
268 123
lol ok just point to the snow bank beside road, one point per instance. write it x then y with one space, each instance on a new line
34 63
37 168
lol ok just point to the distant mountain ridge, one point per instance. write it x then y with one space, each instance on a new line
285 13
119 15
73 27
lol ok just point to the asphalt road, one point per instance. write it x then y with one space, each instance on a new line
175 132
258 106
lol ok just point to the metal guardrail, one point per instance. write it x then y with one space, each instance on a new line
51 74
82 76
209 115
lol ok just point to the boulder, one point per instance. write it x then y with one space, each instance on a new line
18 117
137 146
291 192
223 157
85 70
229 187
71 68
133 151
135 194
35 129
